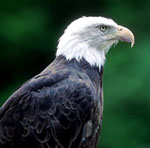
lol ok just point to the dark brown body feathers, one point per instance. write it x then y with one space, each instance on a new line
59 108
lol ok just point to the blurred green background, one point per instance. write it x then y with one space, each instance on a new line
29 31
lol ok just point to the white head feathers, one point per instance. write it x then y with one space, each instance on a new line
84 39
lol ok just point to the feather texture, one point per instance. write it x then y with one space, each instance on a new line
59 108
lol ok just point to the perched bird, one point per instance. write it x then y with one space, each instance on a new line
62 106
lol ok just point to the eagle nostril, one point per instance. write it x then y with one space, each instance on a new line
120 29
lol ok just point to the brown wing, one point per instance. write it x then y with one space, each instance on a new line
47 112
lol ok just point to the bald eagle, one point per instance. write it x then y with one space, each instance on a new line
62 106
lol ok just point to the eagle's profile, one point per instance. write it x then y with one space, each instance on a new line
62 106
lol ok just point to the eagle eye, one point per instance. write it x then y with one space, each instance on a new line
103 28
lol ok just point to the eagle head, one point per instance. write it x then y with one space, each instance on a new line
90 38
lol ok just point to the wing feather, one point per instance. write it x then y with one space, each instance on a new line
53 114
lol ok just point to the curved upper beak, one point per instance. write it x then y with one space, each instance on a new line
124 34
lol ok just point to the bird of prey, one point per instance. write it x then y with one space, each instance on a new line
62 106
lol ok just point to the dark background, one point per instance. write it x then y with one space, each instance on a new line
29 30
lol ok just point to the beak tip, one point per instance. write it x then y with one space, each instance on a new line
132 40
132 44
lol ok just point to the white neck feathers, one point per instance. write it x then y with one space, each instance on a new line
72 47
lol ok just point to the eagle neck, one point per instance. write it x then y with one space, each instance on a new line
80 49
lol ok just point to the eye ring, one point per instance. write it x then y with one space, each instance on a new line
103 28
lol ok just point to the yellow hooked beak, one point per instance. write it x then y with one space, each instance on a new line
124 34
